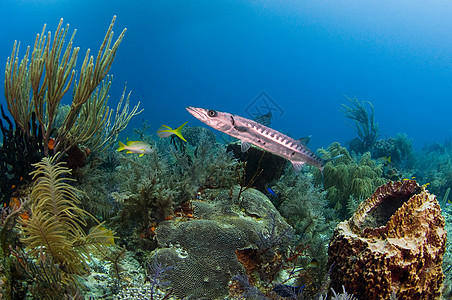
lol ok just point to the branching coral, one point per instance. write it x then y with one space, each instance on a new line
37 85
364 123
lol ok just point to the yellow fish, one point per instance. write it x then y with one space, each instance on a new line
135 147
384 159
166 131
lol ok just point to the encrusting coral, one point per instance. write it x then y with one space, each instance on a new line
393 244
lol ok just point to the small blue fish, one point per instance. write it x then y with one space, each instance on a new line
271 192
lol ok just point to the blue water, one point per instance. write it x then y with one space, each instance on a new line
305 55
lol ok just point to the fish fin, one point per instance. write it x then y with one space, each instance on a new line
241 128
178 131
130 143
128 151
121 146
297 165
164 127
389 159
305 140
245 146
141 154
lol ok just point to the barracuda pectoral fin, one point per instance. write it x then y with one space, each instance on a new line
297 165
241 128
244 146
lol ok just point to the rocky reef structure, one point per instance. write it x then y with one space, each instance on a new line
392 245
228 233
261 167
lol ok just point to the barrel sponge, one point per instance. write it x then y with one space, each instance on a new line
202 250
394 243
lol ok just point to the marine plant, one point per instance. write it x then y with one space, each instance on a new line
54 235
347 180
364 124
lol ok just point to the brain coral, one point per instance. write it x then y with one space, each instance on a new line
203 249
394 243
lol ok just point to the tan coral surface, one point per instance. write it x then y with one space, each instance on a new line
394 243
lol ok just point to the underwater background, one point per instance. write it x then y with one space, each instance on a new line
185 214
306 55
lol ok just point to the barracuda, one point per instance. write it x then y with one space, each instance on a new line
251 132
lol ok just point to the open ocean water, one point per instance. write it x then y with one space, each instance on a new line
305 56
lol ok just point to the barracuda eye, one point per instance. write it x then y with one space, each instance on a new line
212 113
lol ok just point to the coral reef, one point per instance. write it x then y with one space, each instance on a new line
434 166
305 208
160 182
394 243
55 241
398 148
208 249
348 181
194 135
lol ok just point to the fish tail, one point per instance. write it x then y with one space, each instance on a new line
121 146
178 131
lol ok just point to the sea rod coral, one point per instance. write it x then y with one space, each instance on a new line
36 86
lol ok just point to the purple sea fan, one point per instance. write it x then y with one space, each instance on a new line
156 276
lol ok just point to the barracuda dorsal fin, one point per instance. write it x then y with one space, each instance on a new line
297 165
245 146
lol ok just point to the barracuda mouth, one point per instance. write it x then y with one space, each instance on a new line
198 113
